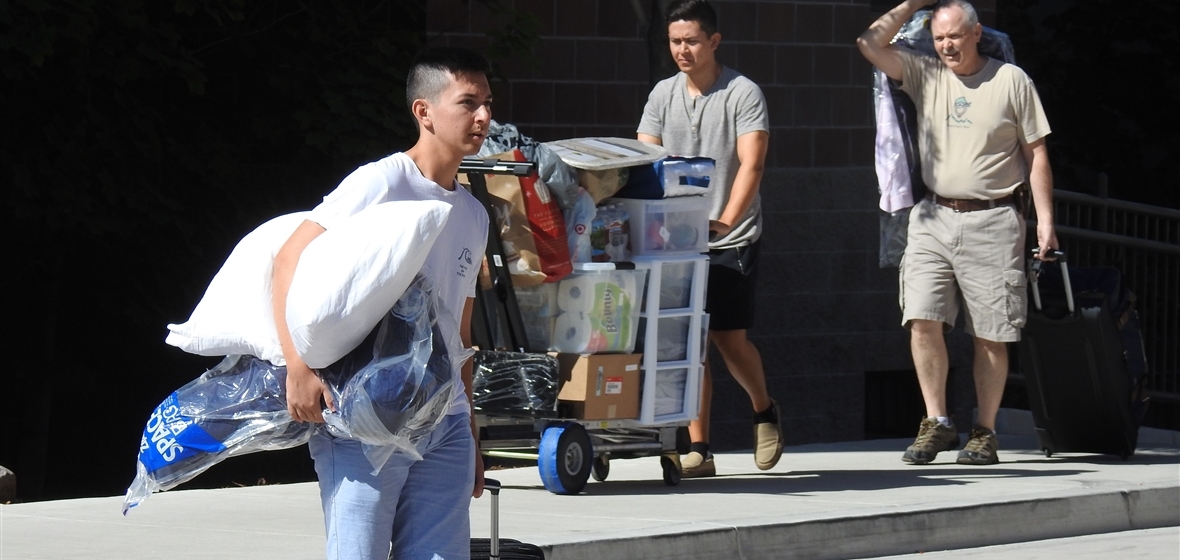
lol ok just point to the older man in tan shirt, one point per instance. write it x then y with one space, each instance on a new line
981 133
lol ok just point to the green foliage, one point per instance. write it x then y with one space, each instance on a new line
513 34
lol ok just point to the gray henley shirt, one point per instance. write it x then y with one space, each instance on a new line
709 125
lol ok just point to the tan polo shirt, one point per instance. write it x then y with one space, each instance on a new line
971 128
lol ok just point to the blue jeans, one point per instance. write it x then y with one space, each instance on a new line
421 507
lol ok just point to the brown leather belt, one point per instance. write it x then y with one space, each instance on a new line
969 204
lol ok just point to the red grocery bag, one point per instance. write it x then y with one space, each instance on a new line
532 229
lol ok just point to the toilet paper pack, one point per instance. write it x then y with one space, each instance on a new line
600 312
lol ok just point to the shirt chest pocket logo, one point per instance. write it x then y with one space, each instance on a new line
958 116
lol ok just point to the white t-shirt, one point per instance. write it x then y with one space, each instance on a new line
455 258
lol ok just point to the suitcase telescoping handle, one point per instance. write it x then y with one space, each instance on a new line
492 485
1035 274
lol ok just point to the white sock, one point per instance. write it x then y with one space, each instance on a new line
945 421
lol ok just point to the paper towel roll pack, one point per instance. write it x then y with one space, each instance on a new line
599 312
577 292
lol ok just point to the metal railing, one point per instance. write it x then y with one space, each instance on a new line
1143 242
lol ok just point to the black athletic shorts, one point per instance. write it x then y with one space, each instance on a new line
729 299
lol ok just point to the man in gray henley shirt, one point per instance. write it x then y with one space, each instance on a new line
709 110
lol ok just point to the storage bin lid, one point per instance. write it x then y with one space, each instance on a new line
597 154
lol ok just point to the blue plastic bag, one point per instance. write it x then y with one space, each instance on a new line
669 177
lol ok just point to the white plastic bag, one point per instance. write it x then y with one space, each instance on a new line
578 221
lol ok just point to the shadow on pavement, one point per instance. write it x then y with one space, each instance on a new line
813 482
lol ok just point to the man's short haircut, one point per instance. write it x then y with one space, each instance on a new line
700 11
434 67
970 16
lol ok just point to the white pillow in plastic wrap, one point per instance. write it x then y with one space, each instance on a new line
235 315
353 273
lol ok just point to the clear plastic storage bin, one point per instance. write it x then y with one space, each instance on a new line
672 339
668 226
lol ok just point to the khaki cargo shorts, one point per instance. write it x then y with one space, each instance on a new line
968 259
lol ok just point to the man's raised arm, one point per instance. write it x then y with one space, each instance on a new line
874 43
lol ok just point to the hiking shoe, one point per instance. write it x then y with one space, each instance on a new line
695 465
981 448
768 439
933 438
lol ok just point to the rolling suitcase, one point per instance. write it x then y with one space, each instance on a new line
496 548
1084 397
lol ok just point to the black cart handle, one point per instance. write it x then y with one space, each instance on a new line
1055 254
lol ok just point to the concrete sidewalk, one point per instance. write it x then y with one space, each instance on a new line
840 500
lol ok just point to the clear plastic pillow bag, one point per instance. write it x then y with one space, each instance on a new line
390 393
397 385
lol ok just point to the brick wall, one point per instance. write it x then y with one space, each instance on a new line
590 75
827 313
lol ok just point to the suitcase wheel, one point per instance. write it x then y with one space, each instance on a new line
564 458
1047 452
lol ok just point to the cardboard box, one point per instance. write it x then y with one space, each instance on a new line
603 183
600 386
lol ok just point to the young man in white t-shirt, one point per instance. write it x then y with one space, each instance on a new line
421 507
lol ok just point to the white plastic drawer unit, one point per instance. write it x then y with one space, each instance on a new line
672 330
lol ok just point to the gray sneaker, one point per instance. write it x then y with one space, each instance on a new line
932 439
981 448
695 465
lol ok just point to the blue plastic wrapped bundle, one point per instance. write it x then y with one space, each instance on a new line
390 392
235 408
669 177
